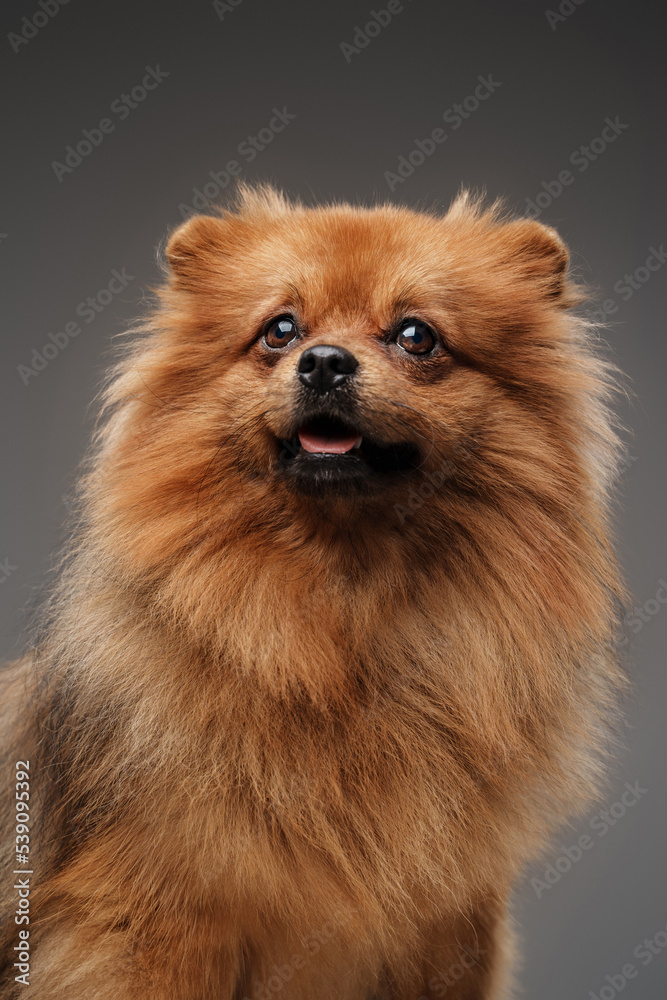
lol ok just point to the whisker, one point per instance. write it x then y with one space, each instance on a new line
397 422
435 424
164 402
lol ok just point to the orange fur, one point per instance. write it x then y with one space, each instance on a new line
302 745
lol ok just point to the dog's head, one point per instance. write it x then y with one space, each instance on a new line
346 371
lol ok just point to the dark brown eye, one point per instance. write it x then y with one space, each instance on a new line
280 332
415 337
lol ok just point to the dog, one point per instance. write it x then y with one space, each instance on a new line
330 654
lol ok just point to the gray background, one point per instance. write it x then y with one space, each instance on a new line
60 241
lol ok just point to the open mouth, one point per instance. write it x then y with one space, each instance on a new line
327 452
325 436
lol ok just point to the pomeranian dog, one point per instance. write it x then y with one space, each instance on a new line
331 652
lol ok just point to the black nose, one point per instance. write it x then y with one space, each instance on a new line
324 367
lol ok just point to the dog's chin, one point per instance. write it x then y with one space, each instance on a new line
350 462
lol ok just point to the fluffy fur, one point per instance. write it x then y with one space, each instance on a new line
301 745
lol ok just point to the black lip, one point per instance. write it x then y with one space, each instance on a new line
374 465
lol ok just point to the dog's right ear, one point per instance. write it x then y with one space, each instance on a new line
193 248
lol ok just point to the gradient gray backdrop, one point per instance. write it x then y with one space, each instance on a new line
59 241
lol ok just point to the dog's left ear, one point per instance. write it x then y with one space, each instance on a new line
539 254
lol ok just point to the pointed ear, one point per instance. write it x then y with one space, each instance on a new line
193 247
540 255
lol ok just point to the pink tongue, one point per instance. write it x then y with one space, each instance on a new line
324 445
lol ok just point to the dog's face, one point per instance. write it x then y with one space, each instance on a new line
336 363
354 346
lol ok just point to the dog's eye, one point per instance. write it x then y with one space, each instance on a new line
415 337
280 332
